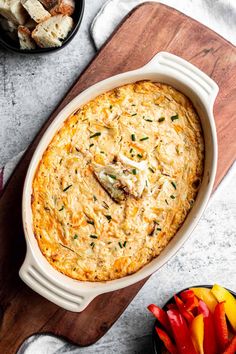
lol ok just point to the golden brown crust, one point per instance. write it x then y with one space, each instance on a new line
81 231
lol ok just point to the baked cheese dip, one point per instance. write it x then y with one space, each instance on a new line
117 181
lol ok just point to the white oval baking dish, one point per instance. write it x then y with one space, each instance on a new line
75 295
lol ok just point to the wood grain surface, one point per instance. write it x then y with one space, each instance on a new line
148 29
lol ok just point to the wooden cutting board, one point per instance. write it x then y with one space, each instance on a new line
149 28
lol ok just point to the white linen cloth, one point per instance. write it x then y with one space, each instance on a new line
219 15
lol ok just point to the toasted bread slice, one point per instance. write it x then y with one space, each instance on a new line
36 10
53 31
13 11
26 41
65 7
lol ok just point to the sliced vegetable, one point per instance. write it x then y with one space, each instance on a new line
190 300
221 326
181 307
209 343
166 341
161 316
206 295
197 333
231 349
181 333
230 303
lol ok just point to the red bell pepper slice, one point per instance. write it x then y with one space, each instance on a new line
181 333
166 340
231 349
221 326
209 343
161 316
181 307
189 299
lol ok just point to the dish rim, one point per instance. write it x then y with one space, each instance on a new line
187 75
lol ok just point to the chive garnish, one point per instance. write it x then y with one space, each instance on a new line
120 244
133 104
134 114
134 171
62 208
166 202
148 120
112 176
173 184
144 138
75 236
111 106
91 145
94 198
158 229
172 196
133 137
76 171
105 205
77 149
92 244
65 189
140 155
174 117
161 119
108 217
91 222
131 150
93 236
151 169
95 134
124 244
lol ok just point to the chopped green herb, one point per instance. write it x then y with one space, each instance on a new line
147 120
91 222
75 236
77 149
146 183
108 217
134 114
102 152
133 137
172 196
60 161
93 236
144 138
151 169
166 202
140 155
174 117
109 242
173 184
95 134
62 208
131 150
111 106
76 171
134 171
158 229
65 189
133 104
112 176
92 244
91 145
105 205
124 244
161 119
132 155
94 198
46 208
120 244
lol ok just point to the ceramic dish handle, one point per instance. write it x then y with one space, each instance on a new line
189 74
38 280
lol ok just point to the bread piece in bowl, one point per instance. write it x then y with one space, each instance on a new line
53 31
25 39
65 7
36 10
13 11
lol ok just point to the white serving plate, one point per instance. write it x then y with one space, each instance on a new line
75 295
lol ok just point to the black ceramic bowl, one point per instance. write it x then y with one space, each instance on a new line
157 345
12 45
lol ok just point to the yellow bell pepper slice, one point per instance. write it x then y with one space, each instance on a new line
206 295
230 303
197 333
